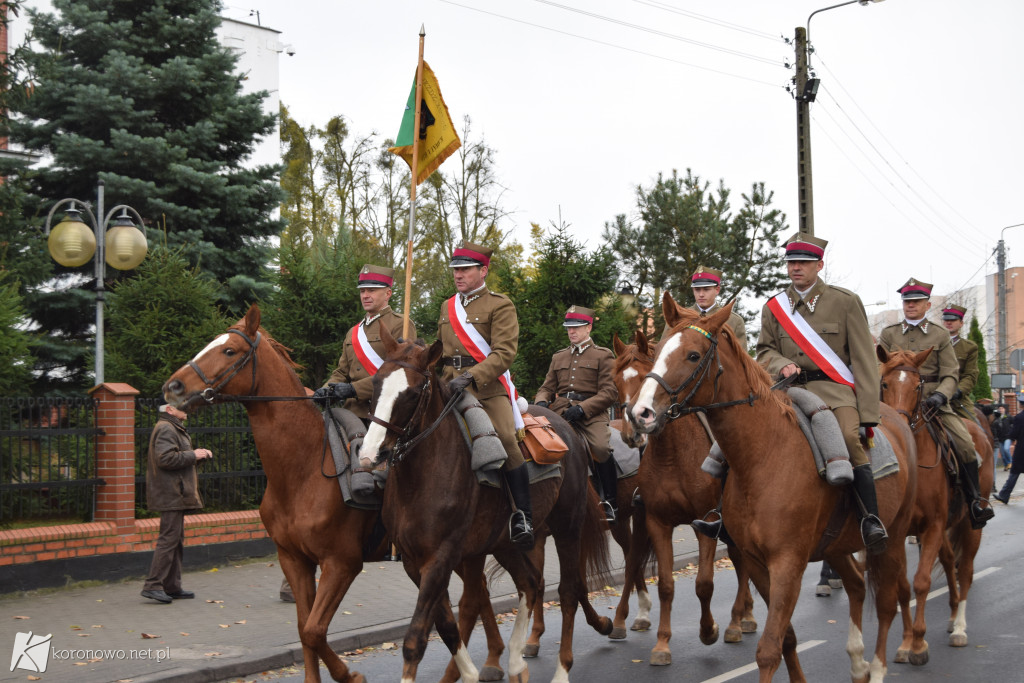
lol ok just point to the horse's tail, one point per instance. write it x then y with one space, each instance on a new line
957 535
595 558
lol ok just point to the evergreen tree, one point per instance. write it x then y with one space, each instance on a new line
140 95
983 387
15 342
159 318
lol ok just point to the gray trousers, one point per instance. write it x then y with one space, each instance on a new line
165 570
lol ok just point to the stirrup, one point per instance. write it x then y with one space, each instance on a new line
876 541
637 499
979 515
523 538
709 529
609 510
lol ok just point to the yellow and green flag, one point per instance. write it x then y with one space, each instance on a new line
438 139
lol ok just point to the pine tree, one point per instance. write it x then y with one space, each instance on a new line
983 387
141 95
15 342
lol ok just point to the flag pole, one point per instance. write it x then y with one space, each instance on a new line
407 300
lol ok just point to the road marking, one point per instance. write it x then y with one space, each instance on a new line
945 589
736 673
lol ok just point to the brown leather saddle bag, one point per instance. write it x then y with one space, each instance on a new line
542 441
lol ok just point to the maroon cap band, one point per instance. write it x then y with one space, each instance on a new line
470 254
579 316
952 311
706 277
376 277
805 248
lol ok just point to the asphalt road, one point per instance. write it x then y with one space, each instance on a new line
995 626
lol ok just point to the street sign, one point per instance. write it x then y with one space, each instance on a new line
1005 380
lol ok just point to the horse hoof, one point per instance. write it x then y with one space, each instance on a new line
522 677
712 638
733 635
919 658
618 633
660 658
641 624
902 656
491 673
531 650
835 583
958 640
356 677
823 591
748 625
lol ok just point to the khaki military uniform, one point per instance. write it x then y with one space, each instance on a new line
967 358
587 378
352 371
837 315
940 372
494 317
735 322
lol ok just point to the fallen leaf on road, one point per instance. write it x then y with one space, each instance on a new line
76 627
183 633
270 564
22 617
84 635
149 636
124 680
224 625
637 661
97 626
387 646
213 570
345 612
80 664
94 660
831 621
241 622
212 654
34 678
215 602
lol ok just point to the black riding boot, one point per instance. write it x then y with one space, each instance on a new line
715 529
871 528
608 476
520 525
969 483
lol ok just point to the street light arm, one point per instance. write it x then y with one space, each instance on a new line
72 202
1016 225
125 207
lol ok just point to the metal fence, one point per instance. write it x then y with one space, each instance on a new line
47 460
232 480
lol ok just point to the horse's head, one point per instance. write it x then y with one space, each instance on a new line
685 358
401 389
632 363
226 366
902 384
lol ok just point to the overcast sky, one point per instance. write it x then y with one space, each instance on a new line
916 137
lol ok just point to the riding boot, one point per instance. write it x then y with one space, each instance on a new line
521 522
608 476
871 528
715 529
969 482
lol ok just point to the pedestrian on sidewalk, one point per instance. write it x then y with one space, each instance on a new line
1017 466
172 489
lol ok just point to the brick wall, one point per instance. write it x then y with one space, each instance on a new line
115 529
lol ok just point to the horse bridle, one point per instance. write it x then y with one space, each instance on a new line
700 373
214 385
404 443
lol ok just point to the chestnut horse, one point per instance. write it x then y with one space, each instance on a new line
676 491
441 516
940 512
302 509
775 505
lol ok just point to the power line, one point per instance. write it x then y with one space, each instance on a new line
656 32
711 20
612 45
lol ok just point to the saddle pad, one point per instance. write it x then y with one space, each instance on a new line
537 473
627 459
883 457
357 488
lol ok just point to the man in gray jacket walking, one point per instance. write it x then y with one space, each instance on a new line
172 489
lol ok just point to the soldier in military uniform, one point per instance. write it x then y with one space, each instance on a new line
707 285
580 387
352 380
966 357
479 330
833 326
940 373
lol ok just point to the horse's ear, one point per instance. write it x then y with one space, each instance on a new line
641 343
883 355
252 321
389 342
670 309
434 353
617 345
919 357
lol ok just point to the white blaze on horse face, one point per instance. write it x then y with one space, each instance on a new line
394 384
902 377
219 341
629 373
645 399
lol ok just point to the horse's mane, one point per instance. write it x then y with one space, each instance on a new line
277 346
759 380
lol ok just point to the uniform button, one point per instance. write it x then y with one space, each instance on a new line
799 353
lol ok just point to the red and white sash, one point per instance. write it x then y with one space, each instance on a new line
809 341
365 354
479 349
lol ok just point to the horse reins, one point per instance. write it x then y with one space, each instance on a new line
920 417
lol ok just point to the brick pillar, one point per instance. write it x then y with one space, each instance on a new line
115 454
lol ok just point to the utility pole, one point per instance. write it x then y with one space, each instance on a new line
805 187
1001 303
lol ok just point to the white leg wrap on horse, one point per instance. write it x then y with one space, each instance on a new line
517 642
855 648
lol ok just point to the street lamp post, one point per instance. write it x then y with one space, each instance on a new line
72 243
806 91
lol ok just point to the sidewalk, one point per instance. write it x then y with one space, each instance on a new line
236 626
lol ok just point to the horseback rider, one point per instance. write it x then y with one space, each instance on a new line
966 357
479 330
835 330
940 373
707 285
580 387
352 380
